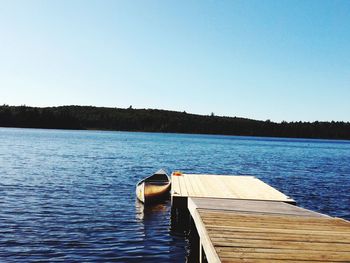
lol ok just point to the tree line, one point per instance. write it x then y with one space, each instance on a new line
151 120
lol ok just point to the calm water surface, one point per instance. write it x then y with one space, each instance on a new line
68 196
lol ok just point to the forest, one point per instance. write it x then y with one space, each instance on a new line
152 120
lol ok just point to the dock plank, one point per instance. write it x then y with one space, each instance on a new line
182 184
323 257
225 220
175 186
254 206
278 246
265 231
279 235
255 260
292 234
199 188
188 186
194 183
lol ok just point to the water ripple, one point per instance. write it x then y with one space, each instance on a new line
68 196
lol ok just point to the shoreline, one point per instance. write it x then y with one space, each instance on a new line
164 121
272 138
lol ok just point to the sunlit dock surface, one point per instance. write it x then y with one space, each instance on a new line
242 219
223 186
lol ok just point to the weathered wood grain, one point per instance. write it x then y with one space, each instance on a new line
233 230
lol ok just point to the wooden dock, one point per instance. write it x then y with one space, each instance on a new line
242 219
222 186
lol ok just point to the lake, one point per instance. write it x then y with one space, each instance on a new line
70 195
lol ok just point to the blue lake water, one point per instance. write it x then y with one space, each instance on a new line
68 196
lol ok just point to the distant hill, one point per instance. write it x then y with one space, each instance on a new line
149 120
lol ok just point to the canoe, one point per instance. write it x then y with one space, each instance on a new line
154 188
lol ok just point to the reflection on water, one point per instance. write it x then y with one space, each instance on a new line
155 221
151 212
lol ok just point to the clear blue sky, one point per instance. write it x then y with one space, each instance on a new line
278 60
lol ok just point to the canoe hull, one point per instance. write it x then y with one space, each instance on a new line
140 192
152 191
